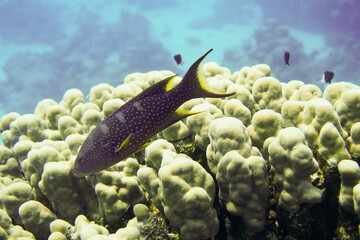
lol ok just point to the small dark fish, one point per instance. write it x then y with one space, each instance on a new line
129 129
286 58
178 59
328 76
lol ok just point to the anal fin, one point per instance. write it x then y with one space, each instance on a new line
178 115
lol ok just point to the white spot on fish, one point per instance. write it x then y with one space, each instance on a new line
104 128
138 106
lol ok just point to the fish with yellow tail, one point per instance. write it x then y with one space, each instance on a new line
129 129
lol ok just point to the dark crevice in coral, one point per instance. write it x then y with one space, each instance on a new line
348 225
40 197
113 226
155 227
222 233
325 214
200 156
79 186
186 146
21 172
140 156
295 225
272 204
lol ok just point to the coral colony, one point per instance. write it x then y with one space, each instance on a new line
268 160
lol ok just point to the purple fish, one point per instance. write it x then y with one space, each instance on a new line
129 129
178 59
328 76
286 58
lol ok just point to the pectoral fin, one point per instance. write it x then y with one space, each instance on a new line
125 143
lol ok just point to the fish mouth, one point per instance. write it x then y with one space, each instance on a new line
78 173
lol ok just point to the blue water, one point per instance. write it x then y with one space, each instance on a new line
48 47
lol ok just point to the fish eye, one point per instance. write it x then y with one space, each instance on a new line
81 160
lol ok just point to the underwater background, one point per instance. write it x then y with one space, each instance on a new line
48 47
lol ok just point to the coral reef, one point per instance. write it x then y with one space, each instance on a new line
273 161
293 164
185 190
243 186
